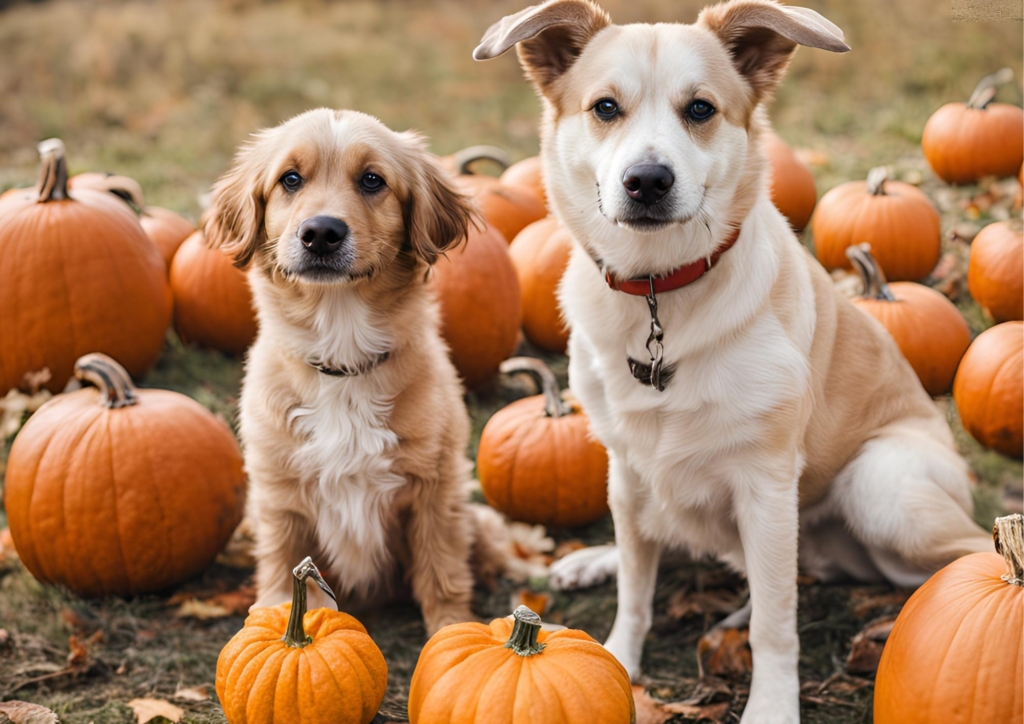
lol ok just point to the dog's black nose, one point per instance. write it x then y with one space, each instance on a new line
323 235
648 182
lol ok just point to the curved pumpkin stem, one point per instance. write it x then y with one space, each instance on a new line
116 388
876 180
987 87
295 635
554 405
468 156
53 183
1008 534
875 286
523 640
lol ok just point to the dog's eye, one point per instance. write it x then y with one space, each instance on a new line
606 109
700 110
371 183
291 181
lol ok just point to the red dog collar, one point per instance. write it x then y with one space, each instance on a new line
679 277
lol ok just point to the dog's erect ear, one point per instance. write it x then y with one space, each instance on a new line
762 36
550 37
234 221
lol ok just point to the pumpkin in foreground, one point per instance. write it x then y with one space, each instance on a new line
512 672
111 490
288 665
537 460
791 182
540 254
956 653
995 274
989 388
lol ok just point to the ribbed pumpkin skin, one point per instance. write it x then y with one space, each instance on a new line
955 653
77 275
340 678
167 230
212 301
902 227
988 388
481 309
791 182
122 501
927 327
465 675
528 174
540 254
509 209
995 275
964 144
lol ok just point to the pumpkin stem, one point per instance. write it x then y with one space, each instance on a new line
554 405
1008 534
875 286
295 635
465 158
53 183
116 388
876 180
987 87
523 640
127 189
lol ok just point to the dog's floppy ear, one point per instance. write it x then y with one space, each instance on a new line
762 36
550 37
234 221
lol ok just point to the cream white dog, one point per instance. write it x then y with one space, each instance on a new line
749 411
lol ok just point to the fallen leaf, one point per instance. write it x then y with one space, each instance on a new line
79 657
699 712
866 647
21 712
569 546
237 602
648 709
149 709
725 652
866 603
686 604
652 711
202 610
536 602
195 693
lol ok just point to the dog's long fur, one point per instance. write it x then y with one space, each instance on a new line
365 472
792 416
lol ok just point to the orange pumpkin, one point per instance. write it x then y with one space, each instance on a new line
538 461
509 209
965 141
77 274
791 182
512 672
480 305
119 491
540 254
527 174
995 275
988 388
956 652
291 665
212 300
897 219
927 327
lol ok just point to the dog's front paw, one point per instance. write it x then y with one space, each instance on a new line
769 713
584 568
774 698
627 652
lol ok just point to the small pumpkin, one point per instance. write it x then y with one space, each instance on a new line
538 461
989 388
897 219
956 652
509 209
515 673
77 274
966 141
117 491
927 327
527 174
791 182
540 254
212 300
995 274
290 665
481 310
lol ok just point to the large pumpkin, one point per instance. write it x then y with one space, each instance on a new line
77 275
927 327
527 174
965 141
289 665
538 461
996 271
897 220
512 672
212 300
988 388
791 182
956 652
119 491
480 305
540 254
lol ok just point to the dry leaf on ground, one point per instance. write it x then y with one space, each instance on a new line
21 712
686 604
866 647
651 711
725 652
147 710
202 610
193 693
536 602
648 710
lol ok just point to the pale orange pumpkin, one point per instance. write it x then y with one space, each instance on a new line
966 141
120 491
77 274
290 665
897 219
509 209
995 274
513 672
989 388
927 327
791 182
538 461
212 300
540 254
527 174
956 652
